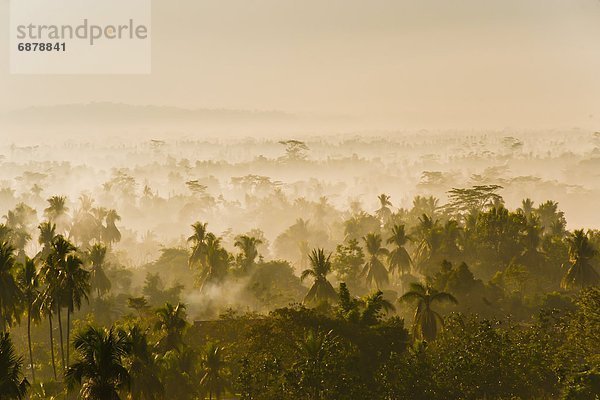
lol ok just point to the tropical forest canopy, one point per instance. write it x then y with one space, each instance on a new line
430 267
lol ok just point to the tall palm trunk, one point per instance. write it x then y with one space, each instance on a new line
52 346
68 333
60 333
29 342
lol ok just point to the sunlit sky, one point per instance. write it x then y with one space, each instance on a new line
426 63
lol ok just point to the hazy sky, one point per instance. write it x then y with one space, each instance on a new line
425 63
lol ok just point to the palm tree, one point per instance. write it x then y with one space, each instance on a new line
321 290
111 232
56 207
399 259
171 323
374 305
384 212
216 262
96 255
10 294
198 241
212 379
581 272
248 247
5 233
430 240
29 285
425 205
56 212
86 226
53 271
142 367
313 351
99 370
75 286
426 322
47 236
46 304
526 208
12 383
550 216
374 270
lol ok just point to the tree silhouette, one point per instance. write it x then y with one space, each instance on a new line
74 283
99 369
581 272
13 386
111 233
398 258
198 241
320 267
10 293
384 211
374 270
29 285
142 367
249 252
99 282
212 378
426 322
170 324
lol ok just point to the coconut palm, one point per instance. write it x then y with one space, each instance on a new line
313 350
374 270
17 221
213 380
46 305
425 205
12 383
179 373
29 285
216 262
320 267
111 233
581 272
67 283
5 233
57 212
57 206
374 306
47 236
198 241
86 226
171 322
51 298
550 216
426 322
384 211
99 369
10 293
75 287
248 247
142 367
430 235
99 282
399 259
531 254
526 208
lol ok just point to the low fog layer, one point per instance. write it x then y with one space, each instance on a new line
291 195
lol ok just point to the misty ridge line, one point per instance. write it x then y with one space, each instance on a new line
137 111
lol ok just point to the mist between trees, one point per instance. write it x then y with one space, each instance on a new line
301 269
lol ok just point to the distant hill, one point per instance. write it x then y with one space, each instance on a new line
118 113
